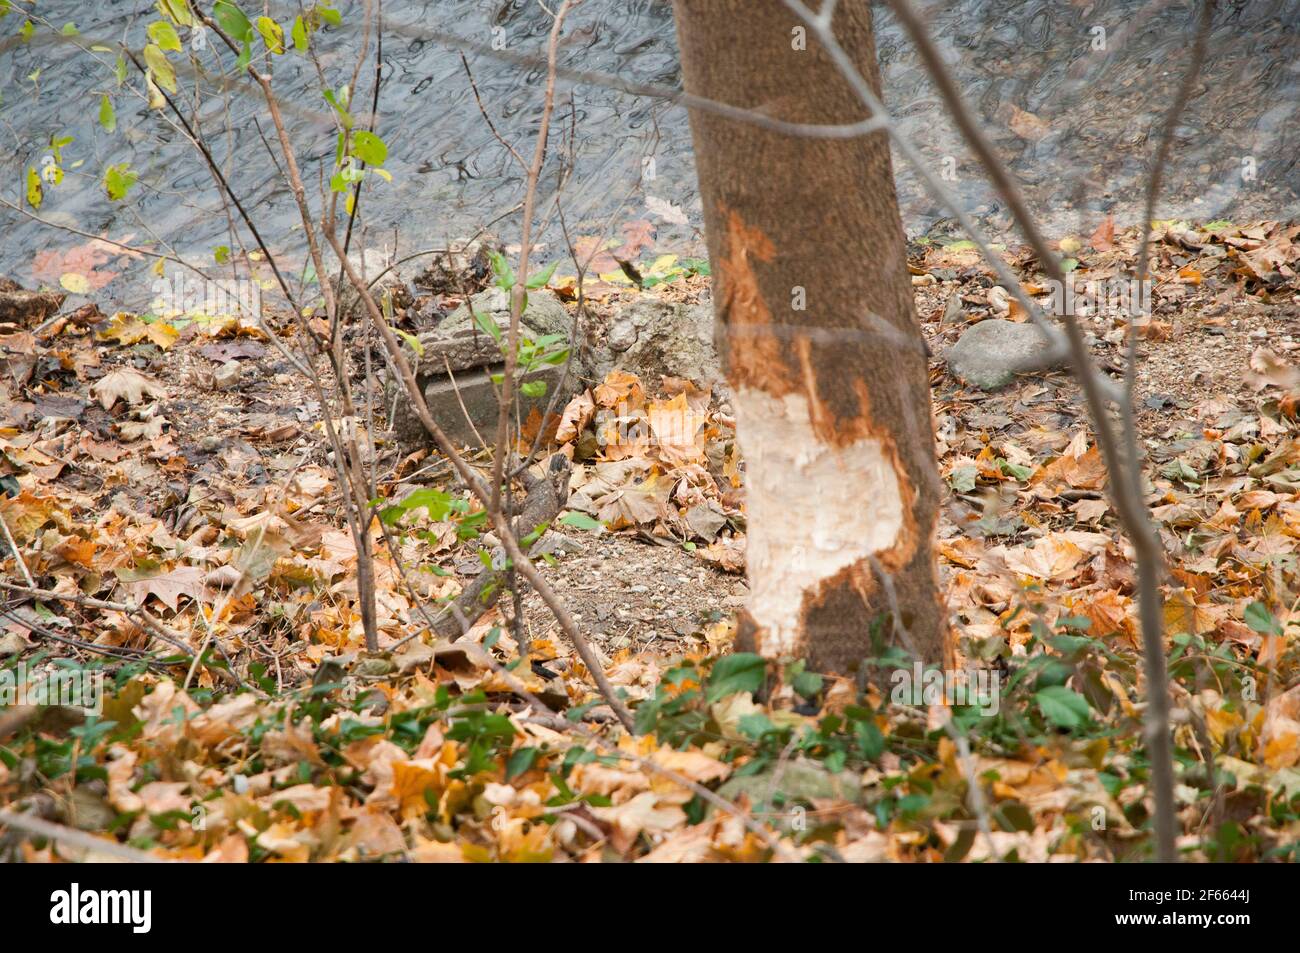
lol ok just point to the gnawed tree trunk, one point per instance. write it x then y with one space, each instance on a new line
818 337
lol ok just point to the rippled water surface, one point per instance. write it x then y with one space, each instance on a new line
1077 123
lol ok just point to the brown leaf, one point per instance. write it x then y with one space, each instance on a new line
167 586
1103 239
125 384
577 414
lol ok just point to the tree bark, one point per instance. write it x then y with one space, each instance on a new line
819 340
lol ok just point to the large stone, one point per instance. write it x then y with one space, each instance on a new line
991 353
465 403
543 315
652 338
476 391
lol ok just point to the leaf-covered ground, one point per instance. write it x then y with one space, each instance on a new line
185 521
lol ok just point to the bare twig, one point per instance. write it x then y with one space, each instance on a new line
68 835
18 556
525 248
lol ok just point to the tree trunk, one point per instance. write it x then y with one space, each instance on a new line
819 339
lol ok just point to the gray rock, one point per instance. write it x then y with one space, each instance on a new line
543 315
473 355
227 375
652 338
991 353
474 389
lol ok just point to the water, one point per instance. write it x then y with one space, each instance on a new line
1076 123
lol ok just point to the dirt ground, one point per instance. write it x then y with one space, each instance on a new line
241 437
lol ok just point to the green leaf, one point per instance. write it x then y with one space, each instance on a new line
438 504
233 21
164 34
807 684
732 674
221 254
1062 706
272 34
119 69
118 180
25 31
1261 620
533 389
330 15
487 325
369 148
107 118
299 34
161 69
520 761
540 279
870 740
755 725
70 29
412 341
339 102
580 521
501 268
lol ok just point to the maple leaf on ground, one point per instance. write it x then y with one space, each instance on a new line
128 329
284 839
1055 556
168 586
1103 239
728 554
635 504
577 414
26 513
1077 467
1268 369
125 384
620 387
677 430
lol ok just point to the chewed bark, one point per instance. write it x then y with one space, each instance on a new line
814 510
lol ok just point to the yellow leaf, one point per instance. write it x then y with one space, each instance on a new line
160 67
75 283
127 329
35 193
